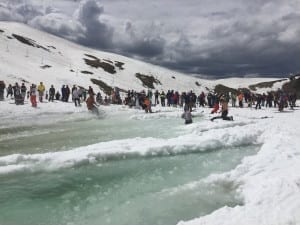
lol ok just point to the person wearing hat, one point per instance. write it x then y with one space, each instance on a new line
224 111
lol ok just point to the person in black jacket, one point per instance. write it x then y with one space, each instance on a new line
2 88
51 93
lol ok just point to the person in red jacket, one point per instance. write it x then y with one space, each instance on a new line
33 92
216 108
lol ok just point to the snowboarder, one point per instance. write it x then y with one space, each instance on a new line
41 90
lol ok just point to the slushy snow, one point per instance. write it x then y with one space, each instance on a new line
268 182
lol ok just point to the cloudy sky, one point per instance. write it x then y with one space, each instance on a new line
218 38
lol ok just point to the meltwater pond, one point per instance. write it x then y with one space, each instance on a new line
120 188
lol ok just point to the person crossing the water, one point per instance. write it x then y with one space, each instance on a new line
91 104
147 105
187 115
224 110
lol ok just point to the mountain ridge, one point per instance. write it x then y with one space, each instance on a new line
32 56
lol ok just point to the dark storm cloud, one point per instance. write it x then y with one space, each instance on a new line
148 47
97 33
143 42
221 38
243 47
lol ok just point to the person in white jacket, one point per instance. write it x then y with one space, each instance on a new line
75 96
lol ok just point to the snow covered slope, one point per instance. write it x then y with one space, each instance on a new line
32 56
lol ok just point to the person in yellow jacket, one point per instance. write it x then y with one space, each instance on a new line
41 90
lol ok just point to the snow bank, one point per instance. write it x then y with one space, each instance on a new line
269 182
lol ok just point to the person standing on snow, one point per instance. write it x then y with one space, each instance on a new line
51 93
162 99
41 90
18 96
33 93
2 88
75 97
23 91
240 98
9 91
156 94
68 92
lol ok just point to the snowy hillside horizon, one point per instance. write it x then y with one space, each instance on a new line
31 56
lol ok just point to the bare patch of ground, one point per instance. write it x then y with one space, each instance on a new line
148 81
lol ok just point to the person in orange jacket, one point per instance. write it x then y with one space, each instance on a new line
147 104
241 97
91 104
